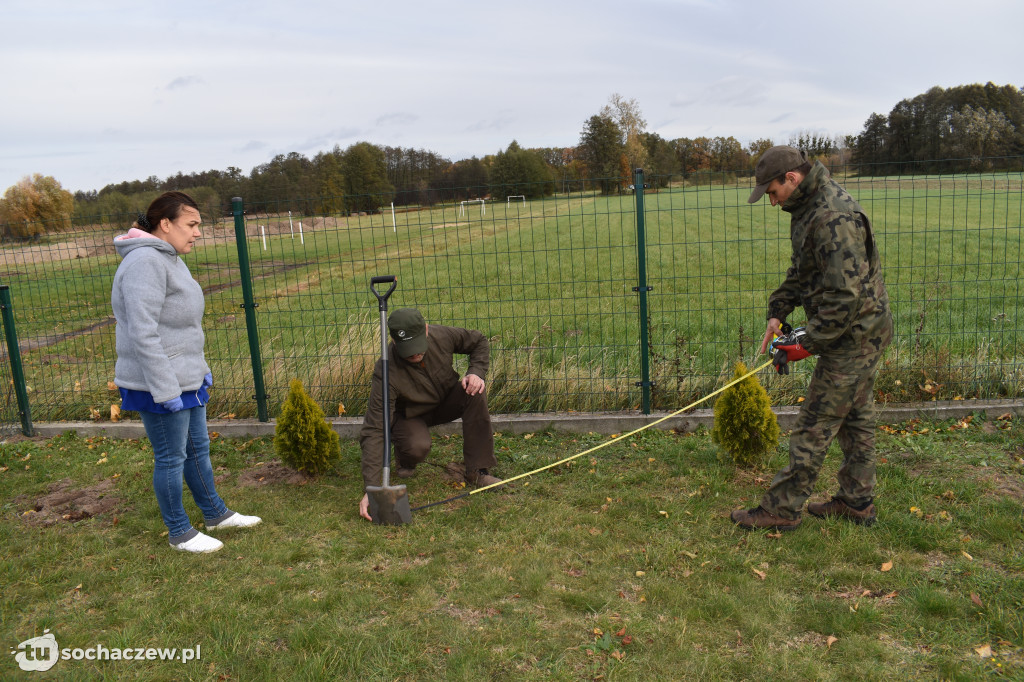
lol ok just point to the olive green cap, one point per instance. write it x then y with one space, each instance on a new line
773 163
409 332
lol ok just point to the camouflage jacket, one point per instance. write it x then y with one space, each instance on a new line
836 273
415 390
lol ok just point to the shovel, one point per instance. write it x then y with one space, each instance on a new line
389 505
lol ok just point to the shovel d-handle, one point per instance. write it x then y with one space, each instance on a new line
382 298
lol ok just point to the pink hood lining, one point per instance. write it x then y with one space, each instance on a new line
135 233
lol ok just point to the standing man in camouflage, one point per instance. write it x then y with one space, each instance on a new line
836 276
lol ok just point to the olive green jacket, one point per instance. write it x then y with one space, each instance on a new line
836 273
415 390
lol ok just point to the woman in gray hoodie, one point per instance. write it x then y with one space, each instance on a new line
161 370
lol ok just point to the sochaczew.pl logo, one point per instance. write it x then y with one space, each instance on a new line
41 653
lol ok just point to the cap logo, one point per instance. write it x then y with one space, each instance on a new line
401 332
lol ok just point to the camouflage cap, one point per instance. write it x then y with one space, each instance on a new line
773 163
409 332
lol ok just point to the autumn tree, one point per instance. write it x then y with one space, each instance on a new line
632 126
520 171
600 149
662 163
977 133
35 204
366 180
330 181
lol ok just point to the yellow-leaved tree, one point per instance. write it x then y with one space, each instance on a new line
303 439
35 205
745 426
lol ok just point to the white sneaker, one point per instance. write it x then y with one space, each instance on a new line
199 544
236 520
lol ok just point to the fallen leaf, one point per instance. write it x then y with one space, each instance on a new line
967 556
617 655
887 566
663 513
621 632
976 599
760 574
115 413
528 436
985 650
689 554
640 574
627 640
341 409
111 386
832 639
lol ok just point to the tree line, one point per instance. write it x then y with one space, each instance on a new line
971 127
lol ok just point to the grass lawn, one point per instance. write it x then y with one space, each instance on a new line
620 566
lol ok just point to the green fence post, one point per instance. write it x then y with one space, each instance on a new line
249 305
14 354
642 288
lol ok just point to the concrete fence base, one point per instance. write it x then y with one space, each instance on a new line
567 422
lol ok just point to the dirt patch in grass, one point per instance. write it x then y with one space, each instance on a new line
64 502
1004 483
267 473
468 616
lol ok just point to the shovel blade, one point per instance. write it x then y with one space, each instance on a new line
389 505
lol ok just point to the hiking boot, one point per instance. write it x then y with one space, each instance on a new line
482 479
839 508
405 472
759 517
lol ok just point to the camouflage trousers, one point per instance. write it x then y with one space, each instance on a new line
840 402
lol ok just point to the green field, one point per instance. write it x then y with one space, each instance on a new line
551 283
621 565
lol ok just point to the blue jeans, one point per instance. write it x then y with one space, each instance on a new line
181 450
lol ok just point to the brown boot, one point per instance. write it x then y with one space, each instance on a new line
759 517
405 472
482 478
838 508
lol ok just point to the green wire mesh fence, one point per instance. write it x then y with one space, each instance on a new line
552 279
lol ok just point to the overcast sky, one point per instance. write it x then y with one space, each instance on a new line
101 91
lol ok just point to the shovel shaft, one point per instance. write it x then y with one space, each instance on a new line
382 301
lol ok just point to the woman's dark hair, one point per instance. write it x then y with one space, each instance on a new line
167 205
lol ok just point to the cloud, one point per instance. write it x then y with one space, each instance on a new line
399 118
500 122
253 146
731 91
184 82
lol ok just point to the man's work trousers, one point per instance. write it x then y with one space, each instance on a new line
411 435
840 402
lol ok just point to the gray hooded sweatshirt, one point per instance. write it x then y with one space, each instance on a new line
159 310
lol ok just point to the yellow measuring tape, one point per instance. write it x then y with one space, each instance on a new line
602 445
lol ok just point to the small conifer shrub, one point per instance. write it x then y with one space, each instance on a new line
302 438
745 426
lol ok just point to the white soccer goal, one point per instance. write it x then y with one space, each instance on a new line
462 206
508 199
